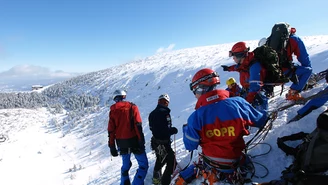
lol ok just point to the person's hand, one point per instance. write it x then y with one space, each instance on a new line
113 151
225 67
174 130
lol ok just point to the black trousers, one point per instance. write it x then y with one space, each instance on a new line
169 160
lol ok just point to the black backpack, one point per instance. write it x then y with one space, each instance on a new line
278 40
269 59
310 156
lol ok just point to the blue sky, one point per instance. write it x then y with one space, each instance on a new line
90 35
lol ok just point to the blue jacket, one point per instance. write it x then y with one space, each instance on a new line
297 47
219 123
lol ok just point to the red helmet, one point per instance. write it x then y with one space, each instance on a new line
238 48
204 78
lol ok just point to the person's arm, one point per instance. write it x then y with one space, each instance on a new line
111 130
254 81
297 47
252 116
229 68
191 137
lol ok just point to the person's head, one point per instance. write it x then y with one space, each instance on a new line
119 95
238 52
204 80
322 121
231 82
164 99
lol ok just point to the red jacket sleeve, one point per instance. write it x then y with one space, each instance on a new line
111 129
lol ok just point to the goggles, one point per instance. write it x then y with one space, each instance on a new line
237 55
202 79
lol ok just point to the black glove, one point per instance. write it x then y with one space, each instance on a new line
174 130
225 68
113 151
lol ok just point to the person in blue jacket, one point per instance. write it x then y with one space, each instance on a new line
252 75
296 46
218 125
318 101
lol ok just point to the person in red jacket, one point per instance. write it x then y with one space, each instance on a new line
251 74
234 89
124 129
218 125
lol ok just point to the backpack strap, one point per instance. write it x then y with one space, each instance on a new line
131 116
309 151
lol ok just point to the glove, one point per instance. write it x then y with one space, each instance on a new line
113 151
225 68
174 130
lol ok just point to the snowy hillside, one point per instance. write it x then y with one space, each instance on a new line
66 142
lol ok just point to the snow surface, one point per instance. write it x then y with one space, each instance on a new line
42 149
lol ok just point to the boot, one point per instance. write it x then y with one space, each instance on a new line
293 95
157 175
180 181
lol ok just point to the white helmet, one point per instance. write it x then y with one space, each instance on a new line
262 41
164 96
119 93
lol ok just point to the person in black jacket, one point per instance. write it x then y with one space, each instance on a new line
161 126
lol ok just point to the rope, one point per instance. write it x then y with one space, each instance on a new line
265 168
263 132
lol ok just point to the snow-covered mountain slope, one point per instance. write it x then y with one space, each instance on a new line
71 147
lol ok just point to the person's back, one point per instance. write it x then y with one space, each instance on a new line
296 46
160 124
125 131
221 131
126 135
217 125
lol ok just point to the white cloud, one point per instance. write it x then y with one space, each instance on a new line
162 50
23 71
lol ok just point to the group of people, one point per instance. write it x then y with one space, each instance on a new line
126 136
252 73
218 124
